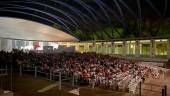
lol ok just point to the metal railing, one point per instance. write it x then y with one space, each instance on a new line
3 72
59 76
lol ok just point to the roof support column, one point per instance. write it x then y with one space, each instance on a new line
152 48
77 47
84 50
87 47
102 48
94 46
124 48
113 48
137 48
0 44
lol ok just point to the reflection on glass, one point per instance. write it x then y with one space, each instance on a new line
161 47
145 47
90 48
108 48
104 48
81 48
98 47
119 48
130 47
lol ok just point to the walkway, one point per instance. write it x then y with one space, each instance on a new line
47 88
156 90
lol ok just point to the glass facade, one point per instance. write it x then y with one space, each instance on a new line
90 47
99 47
161 47
108 48
148 48
81 48
118 47
131 47
145 47
105 48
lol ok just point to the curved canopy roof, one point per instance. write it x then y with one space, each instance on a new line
29 30
95 19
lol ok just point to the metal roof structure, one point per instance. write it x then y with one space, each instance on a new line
28 30
93 19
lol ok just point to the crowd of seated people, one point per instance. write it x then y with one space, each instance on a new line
101 70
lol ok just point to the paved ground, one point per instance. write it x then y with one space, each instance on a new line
28 86
49 87
153 87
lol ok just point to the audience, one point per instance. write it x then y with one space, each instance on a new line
92 68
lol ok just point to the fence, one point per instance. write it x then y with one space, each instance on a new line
143 89
60 76
3 72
